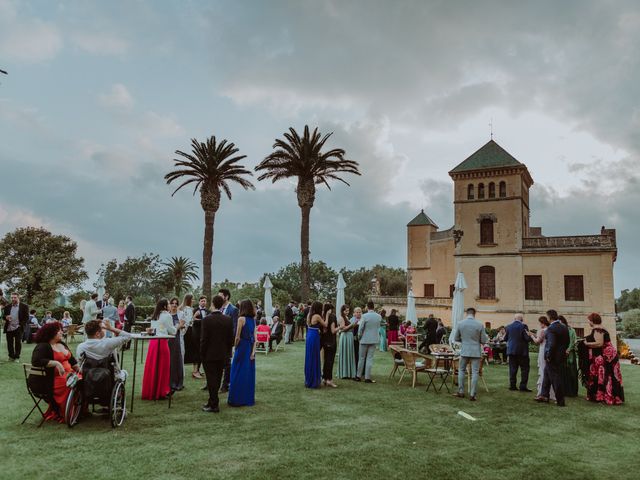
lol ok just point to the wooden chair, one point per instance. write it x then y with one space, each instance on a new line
412 340
412 364
456 368
394 350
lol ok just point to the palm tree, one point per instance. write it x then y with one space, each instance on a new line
180 272
210 167
303 158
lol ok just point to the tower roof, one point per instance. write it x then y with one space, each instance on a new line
421 219
490 155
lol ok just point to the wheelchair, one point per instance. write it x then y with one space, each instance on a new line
103 384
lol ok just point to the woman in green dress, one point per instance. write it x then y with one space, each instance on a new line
383 331
346 353
570 370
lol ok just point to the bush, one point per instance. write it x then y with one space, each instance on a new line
57 313
631 323
143 312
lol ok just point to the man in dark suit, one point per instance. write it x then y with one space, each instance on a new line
555 355
276 333
430 327
216 342
517 338
129 314
276 311
230 310
16 317
289 323
102 303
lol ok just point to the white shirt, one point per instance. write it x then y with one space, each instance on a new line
91 311
164 324
99 348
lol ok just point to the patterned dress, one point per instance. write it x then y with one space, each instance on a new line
601 371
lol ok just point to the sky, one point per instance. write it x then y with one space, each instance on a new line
100 95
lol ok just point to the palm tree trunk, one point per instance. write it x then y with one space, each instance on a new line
207 253
305 272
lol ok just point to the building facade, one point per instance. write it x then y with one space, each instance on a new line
509 266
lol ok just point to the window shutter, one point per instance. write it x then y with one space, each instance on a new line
533 287
573 288
487 282
429 290
486 231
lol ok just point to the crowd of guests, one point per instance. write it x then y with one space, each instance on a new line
561 356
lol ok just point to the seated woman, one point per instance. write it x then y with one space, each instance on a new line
54 355
263 333
499 347
409 333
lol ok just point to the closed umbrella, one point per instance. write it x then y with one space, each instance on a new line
340 295
457 309
268 303
100 286
412 315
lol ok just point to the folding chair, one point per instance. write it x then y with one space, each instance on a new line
262 342
37 398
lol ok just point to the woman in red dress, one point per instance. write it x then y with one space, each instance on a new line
53 354
157 367
600 365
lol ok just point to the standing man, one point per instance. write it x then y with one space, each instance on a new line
276 312
555 348
91 309
216 342
517 338
369 337
198 315
101 304
288 322
472 335
16 317
230 310
129 314
430 327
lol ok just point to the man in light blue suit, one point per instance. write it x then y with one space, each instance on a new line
470 333
369 336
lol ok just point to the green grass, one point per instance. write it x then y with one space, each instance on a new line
359 430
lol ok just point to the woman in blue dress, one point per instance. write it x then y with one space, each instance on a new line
242 386
312 370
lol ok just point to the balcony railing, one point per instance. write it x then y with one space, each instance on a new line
420 301
570 242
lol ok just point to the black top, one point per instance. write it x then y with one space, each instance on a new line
42 354
130 313
393 322
288 315
327 337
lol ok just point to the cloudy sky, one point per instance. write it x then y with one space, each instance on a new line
100 94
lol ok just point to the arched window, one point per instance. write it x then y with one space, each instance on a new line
492 190
486 231
481 190
503 189
470 192
487 282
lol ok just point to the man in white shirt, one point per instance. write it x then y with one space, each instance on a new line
98 346
91 310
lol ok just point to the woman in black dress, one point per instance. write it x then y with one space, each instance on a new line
328 344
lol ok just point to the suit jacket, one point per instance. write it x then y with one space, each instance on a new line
517 339
430 326
369 328
23 314
232 311
130 314
556 343
278 331
276 313
216 337
472 335
288 315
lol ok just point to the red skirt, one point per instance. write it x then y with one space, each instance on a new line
157 367
392 336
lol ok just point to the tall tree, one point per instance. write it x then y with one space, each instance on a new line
303 158
38 264
210 167
141 277
179 273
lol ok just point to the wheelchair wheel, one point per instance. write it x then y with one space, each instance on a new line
73 408
118 405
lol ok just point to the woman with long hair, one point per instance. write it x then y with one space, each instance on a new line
157 367
382 331
393 325
121 310
54 355
569 370
312 371
242 385
176 376
328 341
185 313
539 339
346 355
600 365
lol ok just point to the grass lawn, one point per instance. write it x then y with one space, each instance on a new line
381 431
